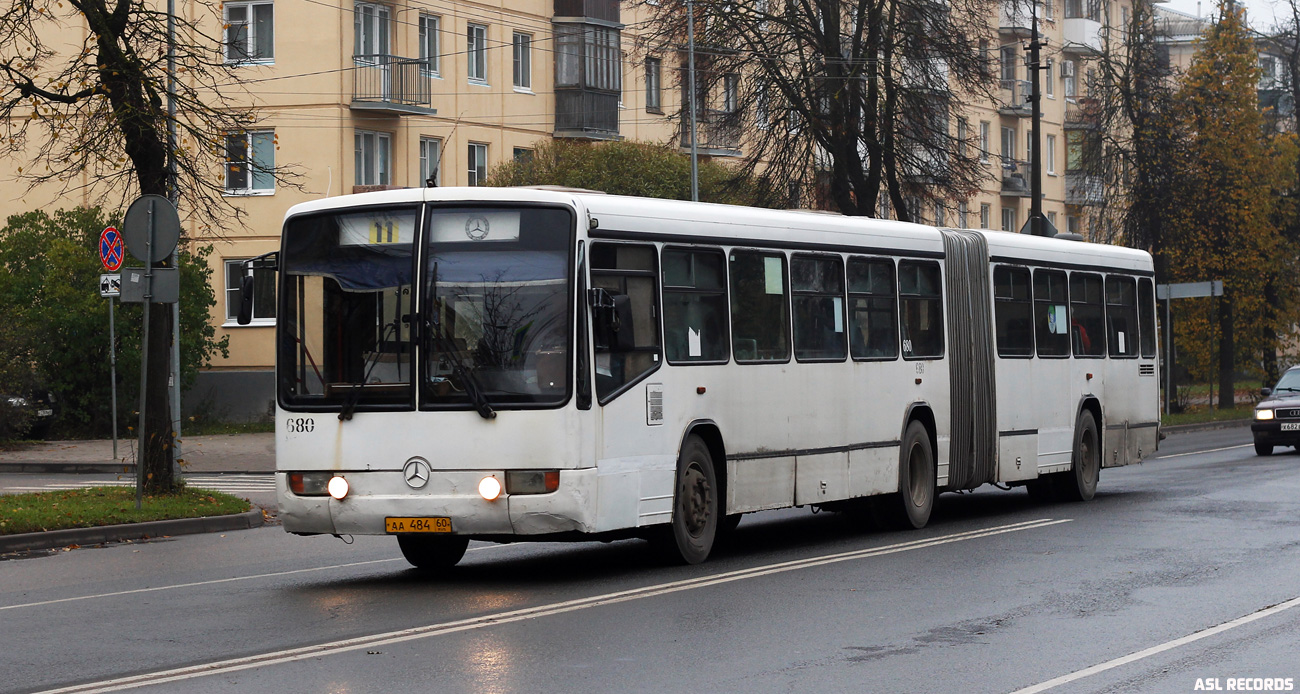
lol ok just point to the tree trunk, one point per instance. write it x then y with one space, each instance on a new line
1227 388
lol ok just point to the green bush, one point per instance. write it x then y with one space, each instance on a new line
49 284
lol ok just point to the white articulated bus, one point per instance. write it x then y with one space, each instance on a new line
510 364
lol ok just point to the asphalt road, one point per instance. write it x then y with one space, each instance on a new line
998 594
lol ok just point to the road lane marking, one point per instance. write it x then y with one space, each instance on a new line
1212 450
527 613
1168 645
218 580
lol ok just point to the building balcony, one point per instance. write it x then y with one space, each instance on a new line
1082 114
929 74
390 85
1083 189
717 134
1015 178
587 114
1014 19
1015 99
1081 35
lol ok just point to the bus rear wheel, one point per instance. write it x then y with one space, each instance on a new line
424 552
1080 484
912 505
695 503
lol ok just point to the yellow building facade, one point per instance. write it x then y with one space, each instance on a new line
358 96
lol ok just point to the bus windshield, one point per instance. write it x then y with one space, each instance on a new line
497 288
345 336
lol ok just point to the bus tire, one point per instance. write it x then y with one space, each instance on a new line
695 503
910 508
1080 484
430 553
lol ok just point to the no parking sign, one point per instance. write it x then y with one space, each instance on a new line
110 249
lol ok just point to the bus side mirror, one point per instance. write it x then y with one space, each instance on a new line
245 300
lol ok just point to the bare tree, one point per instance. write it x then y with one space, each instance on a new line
851 98
84 105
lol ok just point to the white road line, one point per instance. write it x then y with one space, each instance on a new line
1212 450
216 581
528 613
1168 645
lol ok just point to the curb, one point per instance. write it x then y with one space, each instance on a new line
124 468
130 531
1206 426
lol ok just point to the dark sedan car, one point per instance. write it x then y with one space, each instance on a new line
1277 417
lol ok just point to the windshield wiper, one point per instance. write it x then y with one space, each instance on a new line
354 393
1289 390
462 372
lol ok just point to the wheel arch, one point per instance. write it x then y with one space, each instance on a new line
1090 403
921 411
711 434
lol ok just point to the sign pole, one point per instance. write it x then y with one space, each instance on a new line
112 369
144 361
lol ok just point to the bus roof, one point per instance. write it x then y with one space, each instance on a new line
680 221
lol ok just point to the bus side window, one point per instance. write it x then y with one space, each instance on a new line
921 304
1147 317
627 274
1051 313
873 309
695 306
1087 315
760 306
1013 311
1121 316
817 283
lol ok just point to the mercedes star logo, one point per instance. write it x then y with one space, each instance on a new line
477 228
416 473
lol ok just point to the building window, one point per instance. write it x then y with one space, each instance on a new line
1008 147
523 154
938 214
963 128
430 162
250 32
250 161
984 215
1008 63
429 45
962 214
730 93
476 53
654 85
523 62
1048 82
762 108
477 163
263 293
1048 13
372 32
373 158
1008 219
984 142
1051 218
1067 78
1050 153
588 56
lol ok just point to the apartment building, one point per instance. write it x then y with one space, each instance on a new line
360 96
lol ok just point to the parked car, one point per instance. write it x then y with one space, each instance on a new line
1277 416
33 414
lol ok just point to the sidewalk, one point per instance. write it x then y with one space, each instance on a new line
247 453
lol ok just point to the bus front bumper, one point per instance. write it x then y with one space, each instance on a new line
375 495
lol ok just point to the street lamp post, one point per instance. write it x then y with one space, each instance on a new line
690 79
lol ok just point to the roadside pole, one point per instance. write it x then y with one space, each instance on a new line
111 254
112 369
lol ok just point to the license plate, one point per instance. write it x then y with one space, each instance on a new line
417 525
44 413
1290 426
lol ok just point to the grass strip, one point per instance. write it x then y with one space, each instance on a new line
95 506
1201 415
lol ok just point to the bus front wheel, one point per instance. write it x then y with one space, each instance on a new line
424 552
1081 483
695 503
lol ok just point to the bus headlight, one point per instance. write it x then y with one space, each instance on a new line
489 488
338 487
309 483
1263 414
